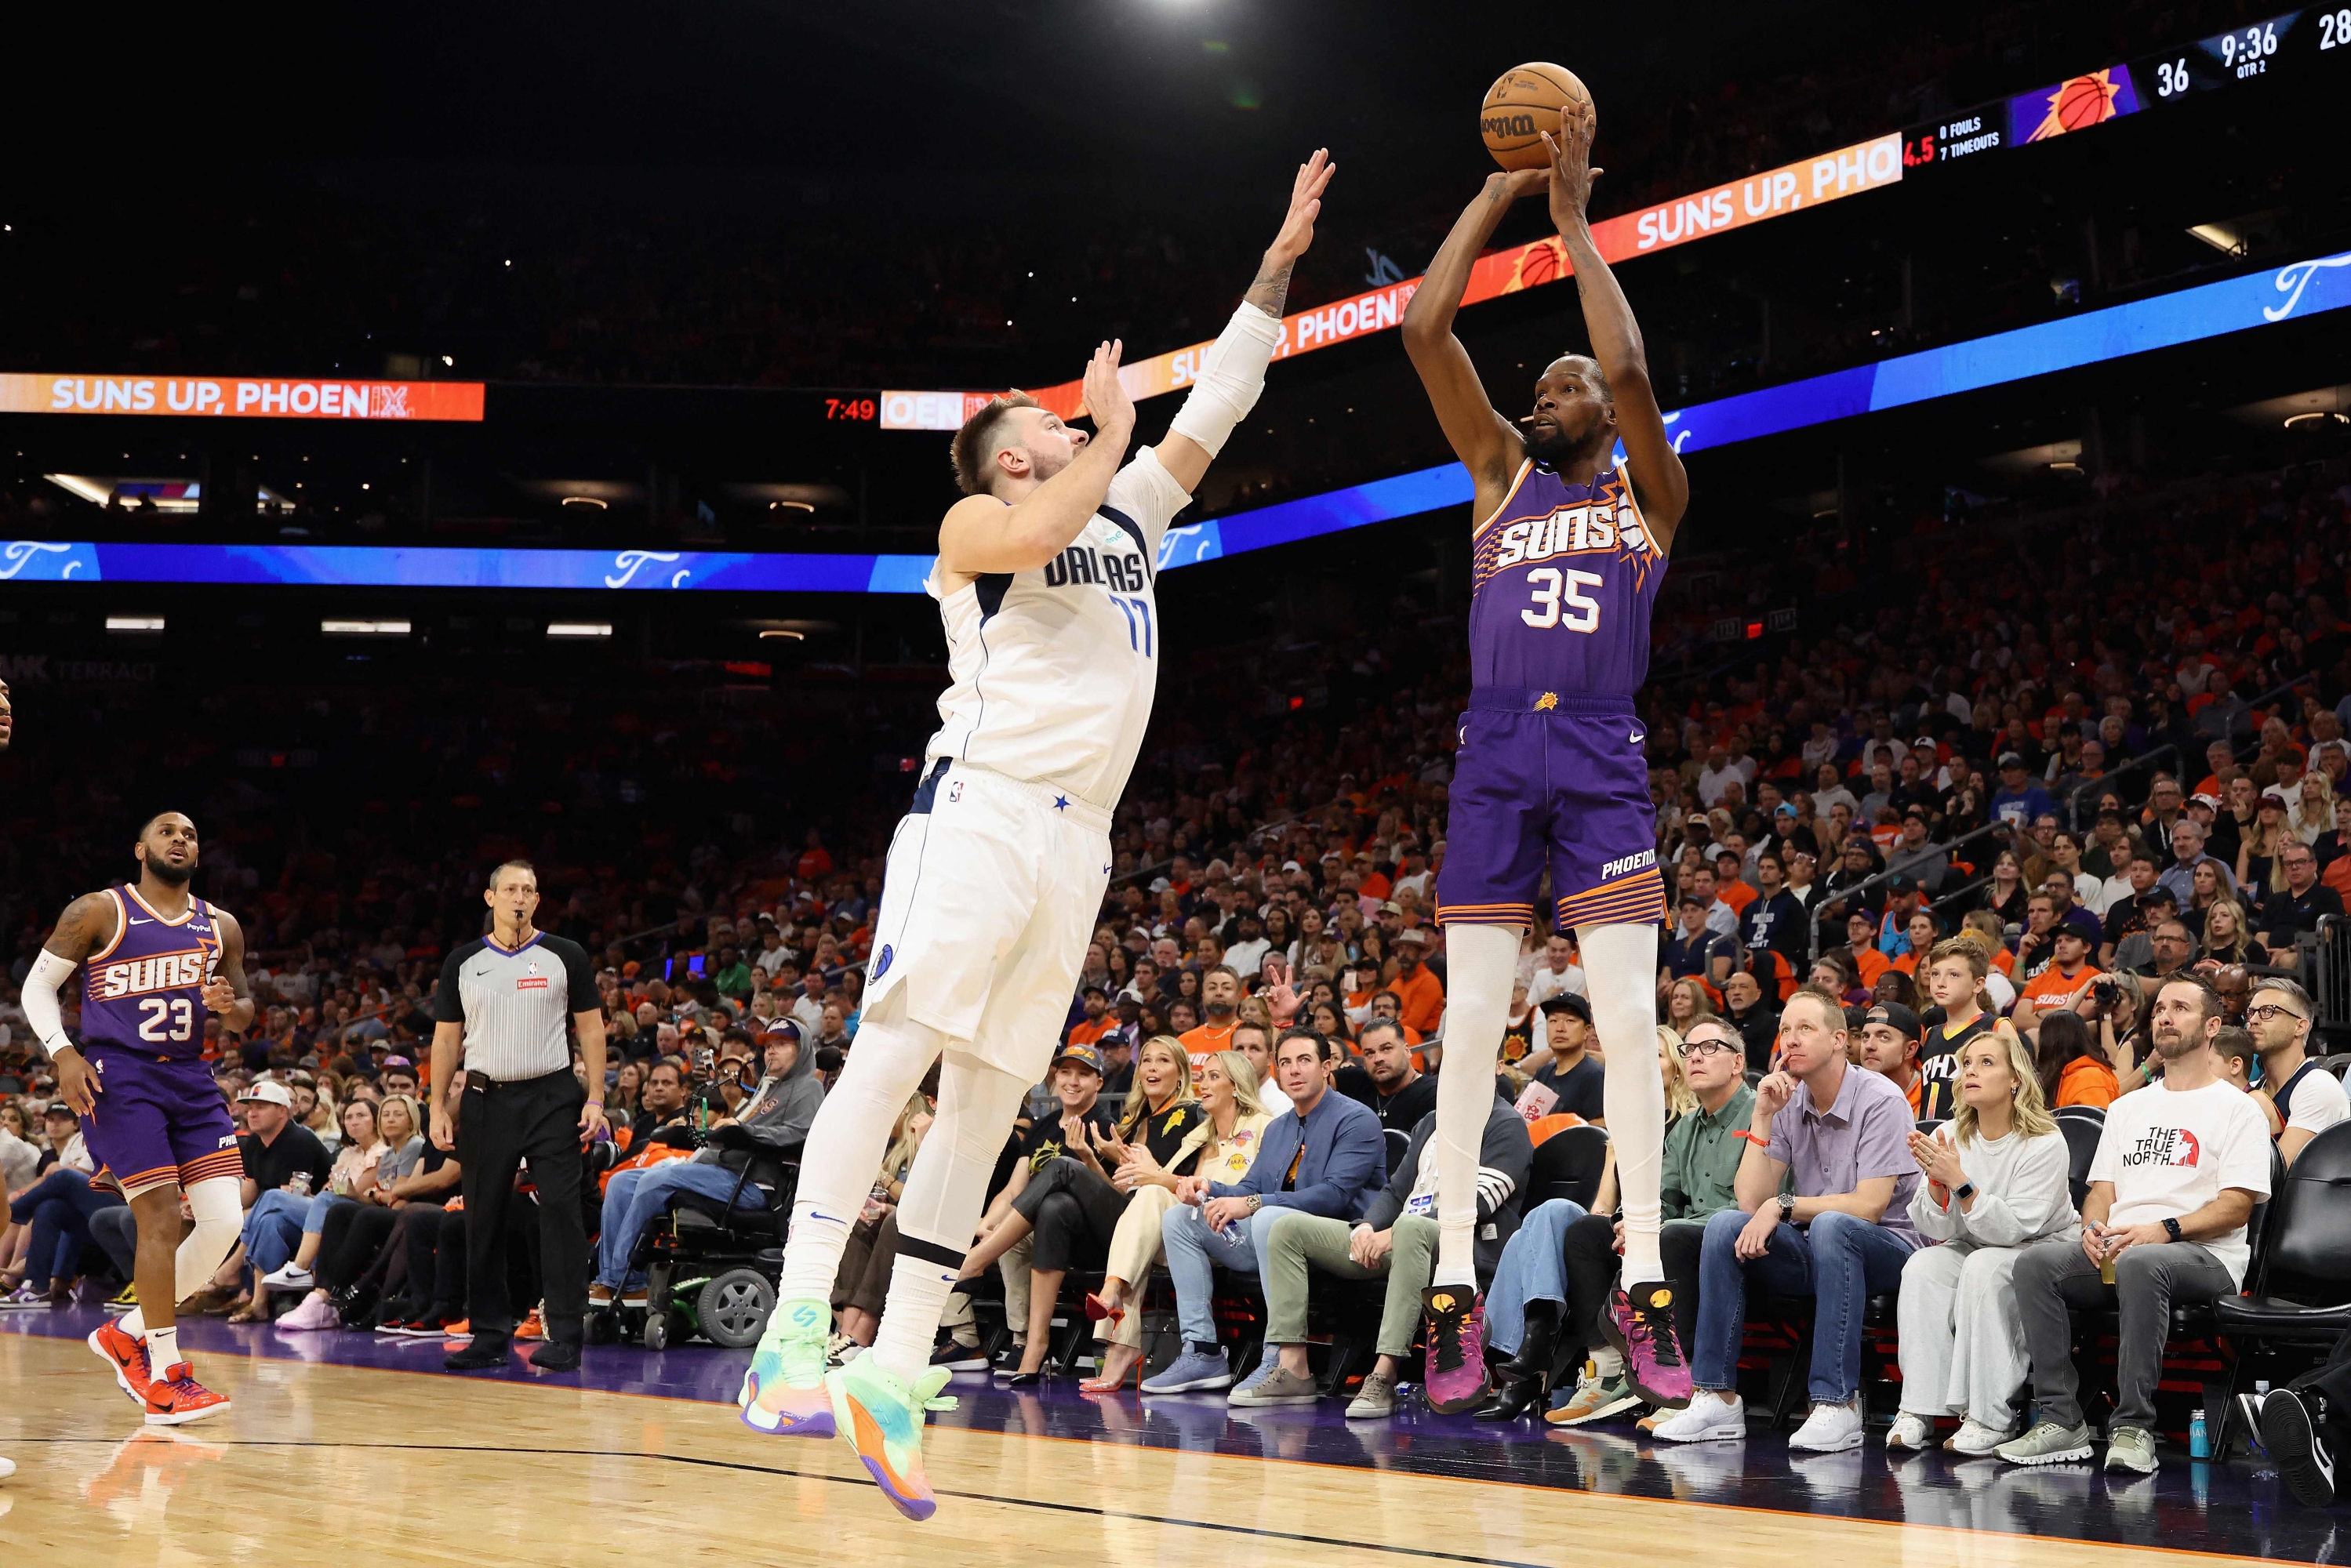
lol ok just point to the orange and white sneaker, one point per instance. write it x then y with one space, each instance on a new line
531 1327
176 1398
127 1354
460 1332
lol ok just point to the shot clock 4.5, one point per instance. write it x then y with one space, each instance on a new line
2282 47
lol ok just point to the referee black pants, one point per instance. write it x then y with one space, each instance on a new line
501 1124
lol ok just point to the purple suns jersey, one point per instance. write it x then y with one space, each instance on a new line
145 991
1563 579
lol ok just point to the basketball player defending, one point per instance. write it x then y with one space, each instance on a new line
157 961
1566 555
996 877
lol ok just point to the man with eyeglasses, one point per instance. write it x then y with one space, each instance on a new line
2309 1098
2298 907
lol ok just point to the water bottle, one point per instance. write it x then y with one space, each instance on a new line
2200 1442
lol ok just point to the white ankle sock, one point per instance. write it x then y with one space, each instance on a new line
1481 961
163 1349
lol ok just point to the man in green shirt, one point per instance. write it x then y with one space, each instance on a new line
1557 1271
730 974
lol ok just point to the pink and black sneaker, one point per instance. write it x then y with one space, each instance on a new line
1457 1349
1643 1331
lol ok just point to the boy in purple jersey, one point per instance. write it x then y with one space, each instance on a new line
1568 549
156 963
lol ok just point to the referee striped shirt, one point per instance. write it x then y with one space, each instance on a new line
515 1004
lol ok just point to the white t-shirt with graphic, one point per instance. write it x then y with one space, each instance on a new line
2169 1152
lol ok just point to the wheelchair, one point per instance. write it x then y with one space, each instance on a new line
711 1268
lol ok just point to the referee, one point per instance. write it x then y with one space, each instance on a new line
504 998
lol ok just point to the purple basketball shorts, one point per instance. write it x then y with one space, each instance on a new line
157 1120
1546 778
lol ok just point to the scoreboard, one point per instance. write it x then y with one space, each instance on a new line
2294 52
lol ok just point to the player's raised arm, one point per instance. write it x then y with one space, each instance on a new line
1035 518
1233 373
1488 444
1659 481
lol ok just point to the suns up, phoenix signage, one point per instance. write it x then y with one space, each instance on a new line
246 397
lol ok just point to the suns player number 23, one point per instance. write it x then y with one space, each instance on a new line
166 1017
1551 587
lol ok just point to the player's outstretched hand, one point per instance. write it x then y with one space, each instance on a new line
1106 401
1305 206
1571 173
1518 183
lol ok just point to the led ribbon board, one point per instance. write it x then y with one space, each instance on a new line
2304 290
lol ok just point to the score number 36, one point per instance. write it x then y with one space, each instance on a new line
1551 587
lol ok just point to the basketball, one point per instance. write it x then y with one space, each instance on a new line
1523 103
2084 101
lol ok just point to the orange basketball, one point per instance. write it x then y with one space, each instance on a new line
2084 101
1523 103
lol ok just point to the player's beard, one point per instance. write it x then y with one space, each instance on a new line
1549 445
170 875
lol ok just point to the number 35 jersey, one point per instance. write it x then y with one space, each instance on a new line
1564 578
1051 671
144 991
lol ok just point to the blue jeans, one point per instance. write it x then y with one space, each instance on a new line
1838 1260
314 1217
1193 1251
635 1199
273 1229
1534 1268
58 1208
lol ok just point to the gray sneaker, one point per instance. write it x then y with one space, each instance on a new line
1375 1400
1280 1386
1192 1370
2131 1449
2048 1443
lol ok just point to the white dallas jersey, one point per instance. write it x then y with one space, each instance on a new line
1051 672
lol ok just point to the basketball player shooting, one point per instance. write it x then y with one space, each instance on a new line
996 876
157 962
1567 552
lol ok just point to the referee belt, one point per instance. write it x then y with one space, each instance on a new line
485 1083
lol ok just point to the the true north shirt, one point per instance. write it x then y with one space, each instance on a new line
514 1005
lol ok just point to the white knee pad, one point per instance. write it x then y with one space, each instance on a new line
220 1217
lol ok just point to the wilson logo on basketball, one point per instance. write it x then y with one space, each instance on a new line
136 977
1507 125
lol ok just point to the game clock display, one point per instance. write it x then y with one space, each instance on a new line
2281 47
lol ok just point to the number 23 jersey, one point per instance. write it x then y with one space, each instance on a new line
1562 581
1051 671
145 990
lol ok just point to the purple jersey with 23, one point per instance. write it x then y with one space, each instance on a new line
144 991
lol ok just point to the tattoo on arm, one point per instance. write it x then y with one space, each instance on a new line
1272 287
86 924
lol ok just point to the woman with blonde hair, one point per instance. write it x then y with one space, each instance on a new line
1674 1067
2225 937
2259 866
2312 815
1222 1146
1995 1183
1686 1003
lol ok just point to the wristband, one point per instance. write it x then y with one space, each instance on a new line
598 1103
1759 1143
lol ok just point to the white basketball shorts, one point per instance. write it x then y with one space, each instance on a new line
990 894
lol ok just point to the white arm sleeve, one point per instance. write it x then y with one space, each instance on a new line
1230 380
49 972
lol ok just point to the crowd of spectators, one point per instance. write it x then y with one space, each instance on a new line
2082 820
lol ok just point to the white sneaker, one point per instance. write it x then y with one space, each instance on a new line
292 1277
1909 1431
1829 1428
1709 1418
1976 1439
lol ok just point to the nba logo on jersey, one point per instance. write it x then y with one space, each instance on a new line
531 979
955 791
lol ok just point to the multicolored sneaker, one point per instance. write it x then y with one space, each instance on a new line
1643 1331
127 1353
783 1391
881 1415
176 1398
1457 1349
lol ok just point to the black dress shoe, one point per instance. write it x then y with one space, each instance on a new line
1021 1380
556 1355
1512 1400
486 1352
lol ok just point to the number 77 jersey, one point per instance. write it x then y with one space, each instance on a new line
1564 578
1051 671
144 989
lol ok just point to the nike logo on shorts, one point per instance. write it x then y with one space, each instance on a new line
1637 738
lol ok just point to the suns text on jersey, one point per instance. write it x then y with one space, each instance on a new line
1567 531
136 977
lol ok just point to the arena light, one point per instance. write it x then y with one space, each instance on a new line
134 624
2314 417
363 628
586 503
579 629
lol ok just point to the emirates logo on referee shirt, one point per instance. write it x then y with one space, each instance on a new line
531 979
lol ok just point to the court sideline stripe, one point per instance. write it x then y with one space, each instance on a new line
861 1481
